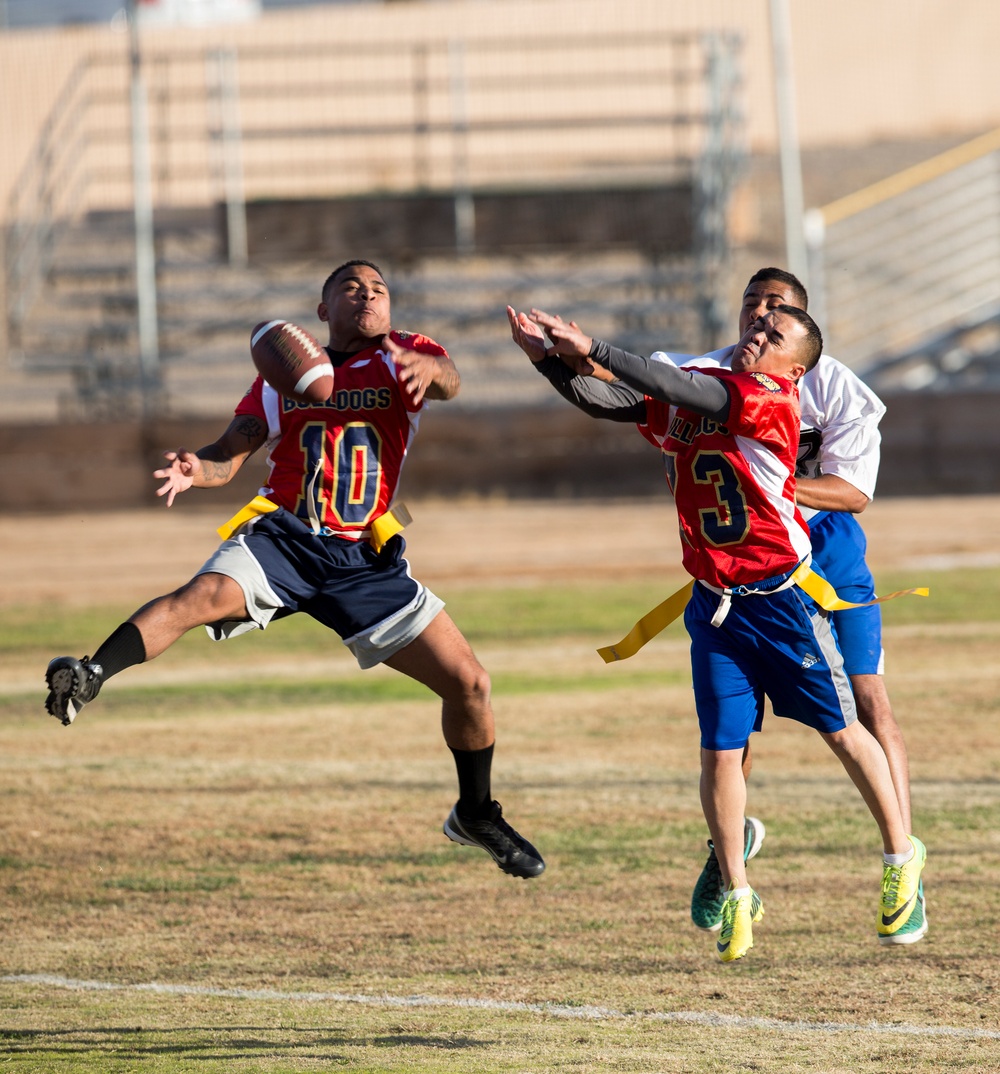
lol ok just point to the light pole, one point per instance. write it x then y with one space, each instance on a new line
788 140
145 251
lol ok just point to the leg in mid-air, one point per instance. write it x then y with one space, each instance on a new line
709 892
442 659
723 800
903 855
859 636
207 598
875 713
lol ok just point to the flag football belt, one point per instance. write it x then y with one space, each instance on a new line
803 576
382 529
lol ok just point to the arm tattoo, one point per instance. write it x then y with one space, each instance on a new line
217 465
248 426
215 470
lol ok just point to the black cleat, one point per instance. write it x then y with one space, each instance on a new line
512 852
72 683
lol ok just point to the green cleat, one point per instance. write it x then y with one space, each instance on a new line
709 893
900 895
739 915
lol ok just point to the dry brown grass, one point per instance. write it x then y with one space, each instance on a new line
239 846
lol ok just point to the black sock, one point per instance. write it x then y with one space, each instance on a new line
124 648
474 796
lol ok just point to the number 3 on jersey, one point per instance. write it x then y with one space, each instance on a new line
351 486
729 522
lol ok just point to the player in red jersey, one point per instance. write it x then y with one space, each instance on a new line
729 441
754 481
334 469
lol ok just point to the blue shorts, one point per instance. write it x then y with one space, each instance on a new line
779 645
839 547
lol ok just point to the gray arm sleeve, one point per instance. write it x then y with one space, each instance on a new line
616 402
660 380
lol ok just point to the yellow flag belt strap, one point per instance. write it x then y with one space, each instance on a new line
665 613
259 505
389 524
382 529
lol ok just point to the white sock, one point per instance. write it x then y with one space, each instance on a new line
738 893
899 859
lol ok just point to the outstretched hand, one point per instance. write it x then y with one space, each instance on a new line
570 343
184 466
565 339
527 335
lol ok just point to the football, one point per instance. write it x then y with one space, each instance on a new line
292 361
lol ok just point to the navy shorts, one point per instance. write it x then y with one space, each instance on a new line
367 597
778 645
839 547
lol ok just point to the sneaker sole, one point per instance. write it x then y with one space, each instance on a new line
899 939
759 831
64 684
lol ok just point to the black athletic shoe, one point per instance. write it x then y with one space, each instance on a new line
72 683
512 852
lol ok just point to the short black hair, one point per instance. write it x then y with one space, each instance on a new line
340 268
814 337
793 283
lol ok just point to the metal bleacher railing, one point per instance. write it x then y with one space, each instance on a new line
227 128
908 261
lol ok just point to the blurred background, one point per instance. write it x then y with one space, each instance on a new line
177 170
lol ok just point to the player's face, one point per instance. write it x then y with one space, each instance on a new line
357 305
772 344
761 296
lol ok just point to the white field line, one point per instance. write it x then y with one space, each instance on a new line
557 1010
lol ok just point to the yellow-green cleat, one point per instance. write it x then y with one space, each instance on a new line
739 915
916 924
709 892
900 898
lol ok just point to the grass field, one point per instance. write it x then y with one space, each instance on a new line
234 860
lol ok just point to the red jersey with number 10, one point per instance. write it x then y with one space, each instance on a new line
336 465
734 484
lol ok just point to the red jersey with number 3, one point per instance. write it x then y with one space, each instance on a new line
734 484
337 464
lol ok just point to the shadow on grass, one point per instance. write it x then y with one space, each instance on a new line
214 1042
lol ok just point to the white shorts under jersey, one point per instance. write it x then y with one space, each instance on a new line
840 419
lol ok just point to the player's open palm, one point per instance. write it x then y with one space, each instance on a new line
179 475
527 335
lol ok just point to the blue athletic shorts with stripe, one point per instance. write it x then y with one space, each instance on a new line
839 547
779 645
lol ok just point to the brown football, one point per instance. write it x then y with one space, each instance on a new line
292 361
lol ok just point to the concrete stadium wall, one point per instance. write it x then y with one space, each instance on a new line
931 445
864 72
655 220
